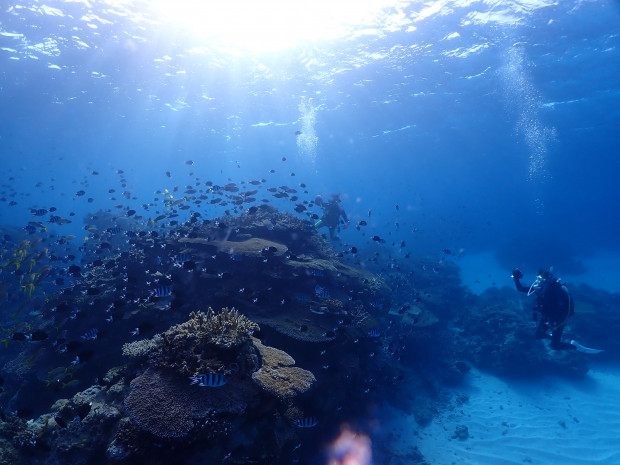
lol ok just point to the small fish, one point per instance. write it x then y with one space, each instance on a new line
208 380
374 333
60 422
90 335
181 258
163 291
298 133
321 292
135 332
307 422
378 239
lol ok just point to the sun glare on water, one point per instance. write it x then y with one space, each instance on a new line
260 26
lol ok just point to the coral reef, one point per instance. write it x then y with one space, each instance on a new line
206 343
498 338
167 406
278 375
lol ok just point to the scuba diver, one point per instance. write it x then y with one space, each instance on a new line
333 215
554 304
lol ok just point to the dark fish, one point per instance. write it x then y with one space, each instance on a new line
362 223
19 336
74 271
208 380
168 174
95 173
283 158
321 292
80 193
90 335
307 422
162 291
447 251
38 212
298 133
378 239
353 249
38 335
181 258
189 162
131 212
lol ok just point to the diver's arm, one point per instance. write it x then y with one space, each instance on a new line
516 276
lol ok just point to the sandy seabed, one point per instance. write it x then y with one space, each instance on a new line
549 421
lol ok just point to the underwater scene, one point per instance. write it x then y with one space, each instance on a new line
317 233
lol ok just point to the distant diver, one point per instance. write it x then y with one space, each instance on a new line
333 215
555 305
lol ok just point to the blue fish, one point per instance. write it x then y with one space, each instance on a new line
321 292
90 335
181 258
307 422
208 380
374 333
163 291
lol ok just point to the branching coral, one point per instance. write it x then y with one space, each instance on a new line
207 342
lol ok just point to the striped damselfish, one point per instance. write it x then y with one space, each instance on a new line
163 291
307 422
208 380
90 335
321 292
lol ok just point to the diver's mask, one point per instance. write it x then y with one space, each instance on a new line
540 284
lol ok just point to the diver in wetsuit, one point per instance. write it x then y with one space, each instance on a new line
332 214
554 304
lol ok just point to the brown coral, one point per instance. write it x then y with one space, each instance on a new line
278 376
254 247
166 405
207 342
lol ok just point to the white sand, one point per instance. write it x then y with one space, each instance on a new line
548 422
481 271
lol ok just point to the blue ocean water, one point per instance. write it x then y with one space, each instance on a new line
492 126
462 129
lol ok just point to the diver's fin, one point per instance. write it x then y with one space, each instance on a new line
585 350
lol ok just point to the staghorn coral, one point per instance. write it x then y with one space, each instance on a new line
207 342
143 347
278 376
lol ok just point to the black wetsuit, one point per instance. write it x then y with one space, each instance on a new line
332 211
555 306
